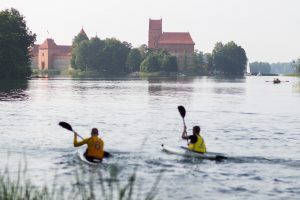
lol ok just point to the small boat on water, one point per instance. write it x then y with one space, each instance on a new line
276 81
183 151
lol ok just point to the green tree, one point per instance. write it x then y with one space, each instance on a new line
196 64
102 56
169 64
15 42
229 59
150 63
114 56
78 39
208 63
95 54
134 60
81 36
218 56
89 54
159 60
143 50
82 56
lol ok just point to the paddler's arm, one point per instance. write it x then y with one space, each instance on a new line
76 143
184 134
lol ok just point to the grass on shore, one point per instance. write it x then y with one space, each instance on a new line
85 187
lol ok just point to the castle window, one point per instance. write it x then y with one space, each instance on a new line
42 54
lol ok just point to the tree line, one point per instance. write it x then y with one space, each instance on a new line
260 67
279 68
111 56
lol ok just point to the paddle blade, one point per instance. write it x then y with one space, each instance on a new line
181 110
66 126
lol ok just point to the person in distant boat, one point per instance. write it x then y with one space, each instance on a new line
95 150
276 80
196 142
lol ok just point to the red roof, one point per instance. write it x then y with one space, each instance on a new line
61 50
64 50
176 38
155 24
48 44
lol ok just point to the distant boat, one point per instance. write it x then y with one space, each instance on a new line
258 74
276 81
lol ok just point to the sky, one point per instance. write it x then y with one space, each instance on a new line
268 30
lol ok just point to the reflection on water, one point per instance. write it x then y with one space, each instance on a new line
229 79
169 85
229 90
13 90
177 79
232 87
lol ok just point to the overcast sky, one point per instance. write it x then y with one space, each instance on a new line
269 30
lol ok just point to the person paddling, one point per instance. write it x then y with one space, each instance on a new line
95 149
196 142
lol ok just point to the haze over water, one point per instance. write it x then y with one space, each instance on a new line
268 30
254 122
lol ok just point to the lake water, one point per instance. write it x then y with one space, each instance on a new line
256 123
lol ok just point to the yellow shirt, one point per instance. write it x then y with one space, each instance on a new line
199 146
95 146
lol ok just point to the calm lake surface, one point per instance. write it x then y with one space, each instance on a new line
256 123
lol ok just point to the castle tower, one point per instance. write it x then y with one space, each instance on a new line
155 31
46 53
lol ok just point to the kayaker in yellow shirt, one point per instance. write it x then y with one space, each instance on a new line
195 142
95 149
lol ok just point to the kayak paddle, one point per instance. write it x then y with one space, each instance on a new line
280 81
68 127
182 112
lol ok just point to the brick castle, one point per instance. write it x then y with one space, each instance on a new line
49 55
173 42
179 44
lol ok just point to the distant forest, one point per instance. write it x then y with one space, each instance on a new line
282 68
272 68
